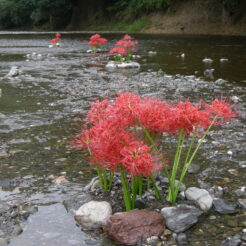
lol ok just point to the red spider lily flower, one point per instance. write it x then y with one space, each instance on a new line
221 110
153 114
105 143
126 105
99 111
102 41
119 50
137 160
58 35
55 40
127 37
96 40
95 37
126 44
187 117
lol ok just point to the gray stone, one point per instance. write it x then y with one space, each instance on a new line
76 202
140 204
93 214
241 191
242 203
200 196
90 184
181 239
180 218
231 241
223 207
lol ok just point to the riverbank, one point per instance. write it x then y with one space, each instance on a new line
189 17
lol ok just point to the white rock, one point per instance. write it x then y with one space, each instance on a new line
207 60
223 59
93 214
128 65
89 51
182 55
14 71
200 196
50 46
235 99
152 52
111 65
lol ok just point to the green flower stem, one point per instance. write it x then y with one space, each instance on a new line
125 189
157 192
134 184
105 179
187 164
148 184
140 185
111 176
181 138
147 134
99 174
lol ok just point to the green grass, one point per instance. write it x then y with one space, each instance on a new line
135 26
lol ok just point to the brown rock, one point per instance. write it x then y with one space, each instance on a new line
134 226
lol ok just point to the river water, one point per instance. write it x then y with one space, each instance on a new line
43 109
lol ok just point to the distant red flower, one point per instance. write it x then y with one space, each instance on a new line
55 40
96 40
58 35
137 159
127 37
95 37
120 50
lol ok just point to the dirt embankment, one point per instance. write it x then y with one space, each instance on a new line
199 17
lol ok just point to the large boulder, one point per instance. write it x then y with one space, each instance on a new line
93 214
134 226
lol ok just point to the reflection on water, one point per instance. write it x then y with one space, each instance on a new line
43 108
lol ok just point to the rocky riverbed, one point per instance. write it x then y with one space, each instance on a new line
43 107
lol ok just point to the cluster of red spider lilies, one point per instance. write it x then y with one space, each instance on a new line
55 41
123 136
123 48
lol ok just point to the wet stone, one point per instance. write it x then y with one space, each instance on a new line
223 207
241 191
231 241
200 196
181 239
181 218
242 203
140 204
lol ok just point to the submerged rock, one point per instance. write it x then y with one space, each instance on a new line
231 241
93 214
134 226
180 218
14 71
223 207
200 196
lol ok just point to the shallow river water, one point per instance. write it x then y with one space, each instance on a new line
43 108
